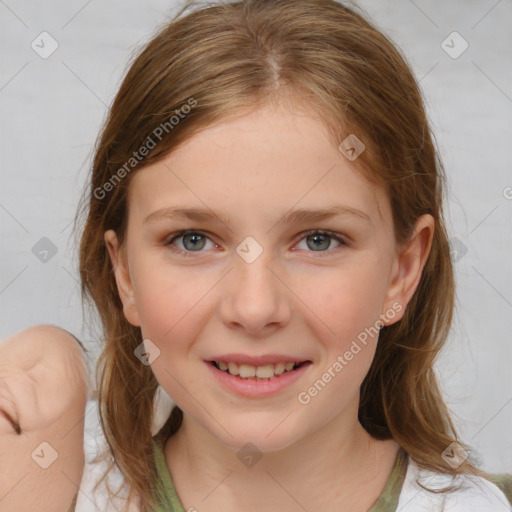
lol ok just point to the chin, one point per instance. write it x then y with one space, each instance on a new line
266 440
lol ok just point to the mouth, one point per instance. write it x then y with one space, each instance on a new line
265 372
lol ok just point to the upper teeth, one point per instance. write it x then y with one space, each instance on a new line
262 372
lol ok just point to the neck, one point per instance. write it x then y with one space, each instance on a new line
341 452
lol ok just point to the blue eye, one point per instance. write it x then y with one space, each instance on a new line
321 240
195 241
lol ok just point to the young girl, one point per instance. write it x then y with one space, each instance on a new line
264 242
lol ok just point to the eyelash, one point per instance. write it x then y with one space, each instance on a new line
306 234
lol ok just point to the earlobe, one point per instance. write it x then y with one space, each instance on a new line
409 265
122 277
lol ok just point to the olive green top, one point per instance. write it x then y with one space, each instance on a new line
167 500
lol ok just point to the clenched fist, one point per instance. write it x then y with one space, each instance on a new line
43 393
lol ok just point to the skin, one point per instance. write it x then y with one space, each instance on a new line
43 393
293 299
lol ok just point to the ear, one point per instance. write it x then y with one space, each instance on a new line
408 267
122 276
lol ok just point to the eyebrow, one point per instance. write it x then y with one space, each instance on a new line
291 217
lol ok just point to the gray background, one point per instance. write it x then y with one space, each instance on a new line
52 109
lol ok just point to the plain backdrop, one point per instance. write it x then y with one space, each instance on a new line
51 110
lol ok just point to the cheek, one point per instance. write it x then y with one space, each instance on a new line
171 316
167 297
346 302
173 308
347 307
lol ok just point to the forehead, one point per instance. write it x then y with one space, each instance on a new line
262 163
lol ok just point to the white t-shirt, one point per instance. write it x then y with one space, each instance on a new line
90 500
475 494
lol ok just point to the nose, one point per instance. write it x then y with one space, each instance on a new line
256 299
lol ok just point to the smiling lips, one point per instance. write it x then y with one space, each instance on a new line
257 381
265 367
263 372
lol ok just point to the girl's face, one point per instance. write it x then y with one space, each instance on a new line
290 256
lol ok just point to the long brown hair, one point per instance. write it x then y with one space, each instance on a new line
219 61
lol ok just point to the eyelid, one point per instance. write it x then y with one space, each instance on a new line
179 234
337 236
342 239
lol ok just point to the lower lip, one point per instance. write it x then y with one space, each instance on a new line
258 388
